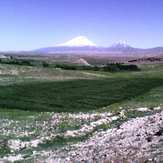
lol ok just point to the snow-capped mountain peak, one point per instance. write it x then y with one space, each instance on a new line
78 42
120 44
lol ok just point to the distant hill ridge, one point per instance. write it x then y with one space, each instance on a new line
112 50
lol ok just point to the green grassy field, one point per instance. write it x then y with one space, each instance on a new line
143 87
77 95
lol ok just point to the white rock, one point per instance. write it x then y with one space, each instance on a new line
14 158
142 109
157 108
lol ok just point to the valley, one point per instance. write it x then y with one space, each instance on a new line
45 111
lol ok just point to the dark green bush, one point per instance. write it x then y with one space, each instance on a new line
109 67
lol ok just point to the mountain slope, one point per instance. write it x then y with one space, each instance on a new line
78 42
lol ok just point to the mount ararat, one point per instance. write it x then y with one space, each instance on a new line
82 45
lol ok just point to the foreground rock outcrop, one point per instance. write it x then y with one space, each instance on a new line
138 140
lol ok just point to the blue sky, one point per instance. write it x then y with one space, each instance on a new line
31 24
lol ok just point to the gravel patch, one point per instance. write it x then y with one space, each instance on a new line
138 140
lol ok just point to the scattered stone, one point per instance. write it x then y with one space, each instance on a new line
142 109
138 140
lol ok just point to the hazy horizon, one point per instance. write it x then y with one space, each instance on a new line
32 24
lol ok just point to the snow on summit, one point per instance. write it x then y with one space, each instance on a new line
121 44
78 41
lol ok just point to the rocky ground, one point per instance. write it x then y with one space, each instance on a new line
26 139
84 137
138 140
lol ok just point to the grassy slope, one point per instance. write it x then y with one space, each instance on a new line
78 95
128 89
